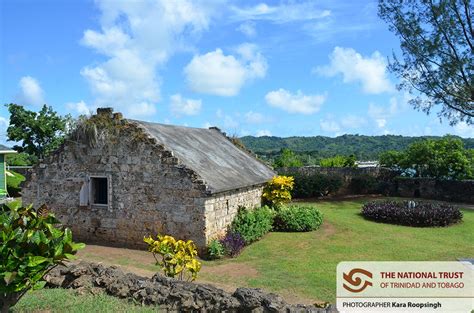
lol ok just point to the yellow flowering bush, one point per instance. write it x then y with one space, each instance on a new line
176 258
278 190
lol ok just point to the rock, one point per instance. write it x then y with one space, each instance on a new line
258 301
169 294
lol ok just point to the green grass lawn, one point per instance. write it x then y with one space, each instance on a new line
304 264
299 266
66 300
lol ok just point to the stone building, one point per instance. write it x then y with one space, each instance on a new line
116 180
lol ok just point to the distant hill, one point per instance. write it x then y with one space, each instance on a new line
363 147
3 147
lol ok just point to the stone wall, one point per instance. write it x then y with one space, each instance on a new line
388 182
168 294
446 190
149 191
348 176
222 207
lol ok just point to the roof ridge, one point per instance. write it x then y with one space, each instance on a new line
243 148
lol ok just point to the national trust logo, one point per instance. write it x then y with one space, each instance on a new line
355 284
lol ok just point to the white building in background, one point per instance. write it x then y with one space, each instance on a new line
362 164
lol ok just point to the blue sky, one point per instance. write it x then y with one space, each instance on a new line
279 68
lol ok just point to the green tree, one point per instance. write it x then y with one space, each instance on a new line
21 159
445 158
391 159
38 132
287 158
339 161
350 161
31 246
437 42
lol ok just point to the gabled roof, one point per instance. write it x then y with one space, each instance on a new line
6 150
221 164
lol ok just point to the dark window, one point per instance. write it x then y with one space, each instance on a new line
99 190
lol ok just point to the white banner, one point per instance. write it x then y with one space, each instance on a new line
405 287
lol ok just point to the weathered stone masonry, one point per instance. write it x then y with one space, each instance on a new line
149 191
222 208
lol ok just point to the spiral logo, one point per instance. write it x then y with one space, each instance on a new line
355 284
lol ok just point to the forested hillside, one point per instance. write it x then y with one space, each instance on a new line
315 148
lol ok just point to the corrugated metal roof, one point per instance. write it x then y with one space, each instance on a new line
221 164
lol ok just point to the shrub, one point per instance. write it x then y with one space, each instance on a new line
233 243
412 213
315 185
31 245
178 258
252 224
339 161
297 218
13 183
21 159
215 249
364 184
278 190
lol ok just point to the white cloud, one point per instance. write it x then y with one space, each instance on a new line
111 40
347 20
79 107
182 106
229 122
353 121
224 75
371 71
295 103
329 126
248 29
381 114
4 122
263 132
215 73
226 121
381 122
338 126
138 37
282 13
254 117
31 92
464 130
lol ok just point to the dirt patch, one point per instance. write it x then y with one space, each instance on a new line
136 261
232 270
230 275
326 231
114 253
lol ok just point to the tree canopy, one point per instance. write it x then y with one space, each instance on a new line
310 150
287 158
437 43
339 161
444 158
38 133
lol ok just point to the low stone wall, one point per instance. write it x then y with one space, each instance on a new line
383 176
345 172
221 208
387 182
446 190
170 295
